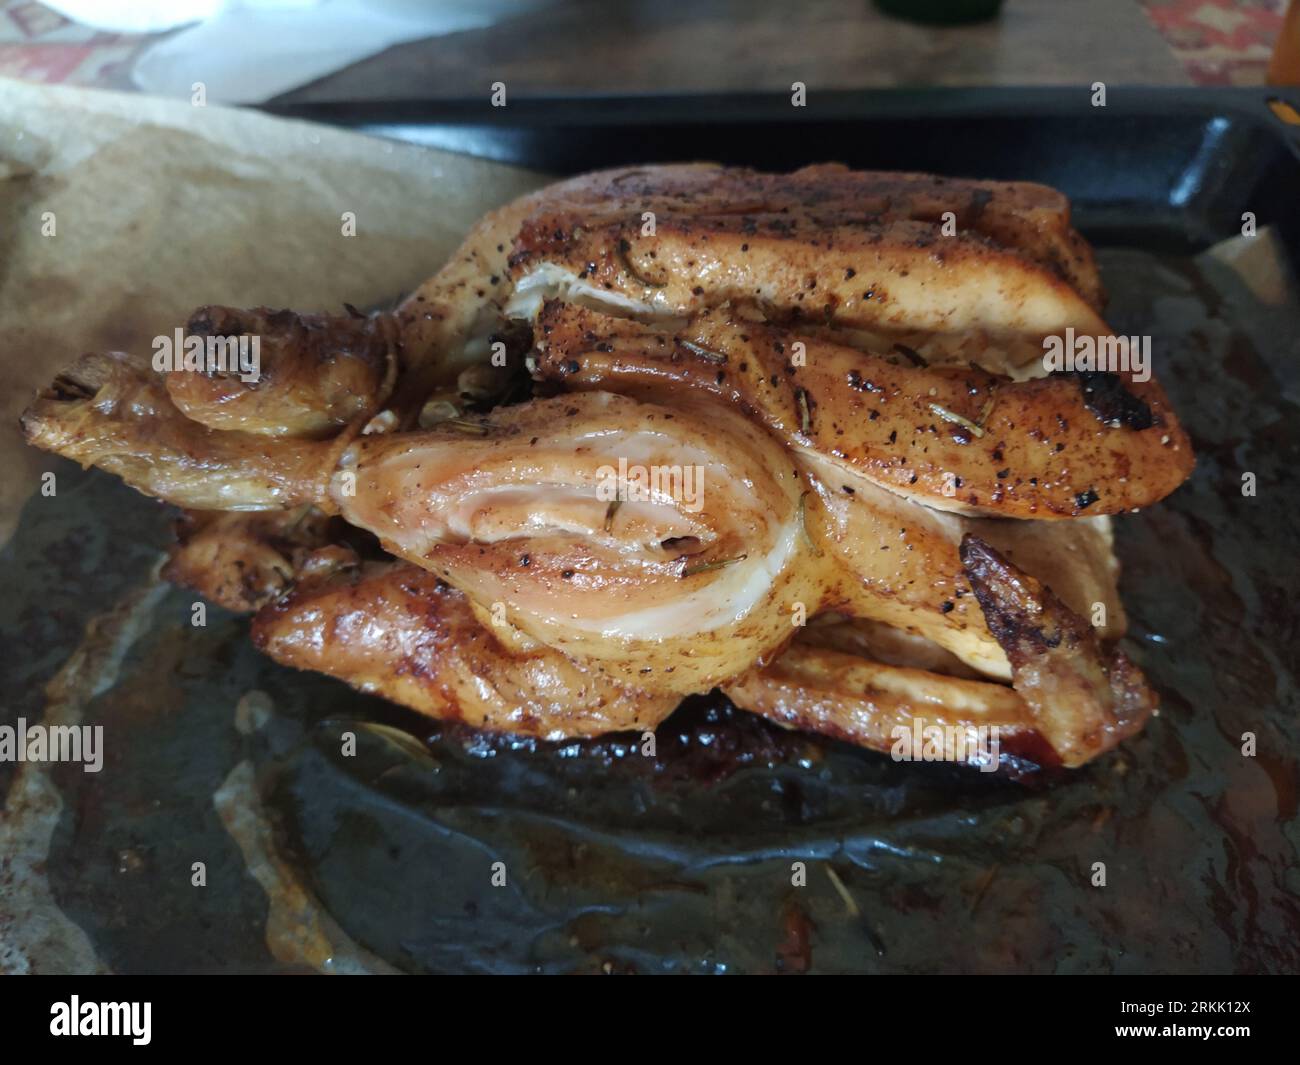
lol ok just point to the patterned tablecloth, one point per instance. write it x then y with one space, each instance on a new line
1220 42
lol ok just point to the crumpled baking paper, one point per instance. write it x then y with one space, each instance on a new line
121 213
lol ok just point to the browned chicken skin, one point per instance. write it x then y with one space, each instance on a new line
844 358
834 245
113 412
315 374
1085 699
953 438
869 703
245 561
396 630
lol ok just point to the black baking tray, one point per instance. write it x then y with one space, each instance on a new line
1179 165
683 862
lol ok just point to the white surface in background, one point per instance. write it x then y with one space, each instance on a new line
246 51
134 16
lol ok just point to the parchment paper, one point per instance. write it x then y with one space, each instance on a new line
159 207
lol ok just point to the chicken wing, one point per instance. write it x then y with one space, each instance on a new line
875 705
110 411
898 563
314 373
861 683
1085 699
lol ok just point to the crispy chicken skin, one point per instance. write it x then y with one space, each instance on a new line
244 561
954 438
787 435
899 564
834 245
111 411
395 630
865 702
316 373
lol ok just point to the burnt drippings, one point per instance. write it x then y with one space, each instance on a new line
1015 615
1108 398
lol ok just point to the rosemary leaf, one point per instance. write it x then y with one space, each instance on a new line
956 419
706 567
715 357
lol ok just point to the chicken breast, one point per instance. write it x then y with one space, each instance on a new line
867 250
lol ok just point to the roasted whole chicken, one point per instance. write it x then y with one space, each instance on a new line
662 430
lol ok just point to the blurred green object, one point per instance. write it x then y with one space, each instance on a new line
941 12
